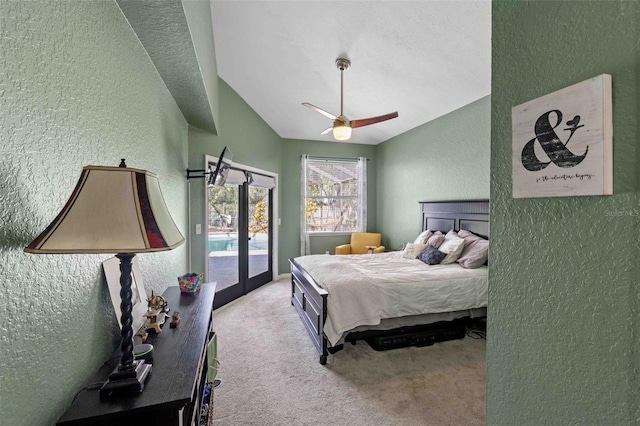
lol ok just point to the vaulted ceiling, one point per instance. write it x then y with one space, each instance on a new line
423 59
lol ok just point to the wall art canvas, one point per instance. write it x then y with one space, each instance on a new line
562 142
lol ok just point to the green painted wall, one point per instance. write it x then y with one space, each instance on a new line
292 150
76 88
252 142
198 14
564 281
445 159
177 36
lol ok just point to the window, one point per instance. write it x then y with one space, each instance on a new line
334 194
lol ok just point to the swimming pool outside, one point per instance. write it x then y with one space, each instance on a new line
227 244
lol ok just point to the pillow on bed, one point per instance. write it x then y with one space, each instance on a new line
475 254
411 250
453 246
435 240
468 236
423 237
431 256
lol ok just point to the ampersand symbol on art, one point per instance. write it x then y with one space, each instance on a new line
551 143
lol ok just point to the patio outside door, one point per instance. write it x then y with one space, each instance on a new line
239 239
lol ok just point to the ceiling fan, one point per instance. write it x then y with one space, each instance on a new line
342 126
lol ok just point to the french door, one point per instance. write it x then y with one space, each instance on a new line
240 235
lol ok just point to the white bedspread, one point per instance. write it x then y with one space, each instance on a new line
363 289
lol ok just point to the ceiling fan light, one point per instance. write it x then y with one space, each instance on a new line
342 132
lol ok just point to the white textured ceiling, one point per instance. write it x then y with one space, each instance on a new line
422 58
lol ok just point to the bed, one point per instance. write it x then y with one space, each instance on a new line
343 298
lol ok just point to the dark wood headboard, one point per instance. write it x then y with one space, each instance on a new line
472 215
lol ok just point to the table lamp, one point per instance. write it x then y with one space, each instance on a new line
114 210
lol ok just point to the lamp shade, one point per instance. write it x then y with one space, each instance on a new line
342 132
111 210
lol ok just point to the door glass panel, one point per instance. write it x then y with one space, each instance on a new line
258 231
223 236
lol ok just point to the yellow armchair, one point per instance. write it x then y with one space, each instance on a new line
360 244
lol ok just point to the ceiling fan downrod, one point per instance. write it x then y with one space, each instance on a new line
343 64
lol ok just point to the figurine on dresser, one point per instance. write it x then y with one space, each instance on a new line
157 313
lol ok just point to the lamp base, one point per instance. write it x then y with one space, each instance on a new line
127 380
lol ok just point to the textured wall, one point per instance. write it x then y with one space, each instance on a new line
445 159
198 14
76 88
178 37
564 287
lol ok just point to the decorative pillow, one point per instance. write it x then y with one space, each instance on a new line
431 256
435 240
452 246
411 250
475 254
423 237
468 236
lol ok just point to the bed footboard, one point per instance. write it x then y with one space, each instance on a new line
311 303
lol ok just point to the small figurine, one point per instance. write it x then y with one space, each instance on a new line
157 312
157 302
175 319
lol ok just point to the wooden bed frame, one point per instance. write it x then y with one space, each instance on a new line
310 300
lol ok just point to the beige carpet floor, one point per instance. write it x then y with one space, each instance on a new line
271 375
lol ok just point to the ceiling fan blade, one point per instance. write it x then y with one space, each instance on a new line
372 120
320 110
327 130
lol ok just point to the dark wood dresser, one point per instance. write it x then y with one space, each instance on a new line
173 392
